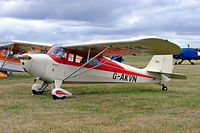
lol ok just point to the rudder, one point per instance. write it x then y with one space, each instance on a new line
161 64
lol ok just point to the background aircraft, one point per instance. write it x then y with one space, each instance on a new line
3 74
8 55
187 54
87 63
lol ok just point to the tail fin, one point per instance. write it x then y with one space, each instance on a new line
163 64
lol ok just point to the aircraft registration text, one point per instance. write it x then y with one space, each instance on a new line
124 77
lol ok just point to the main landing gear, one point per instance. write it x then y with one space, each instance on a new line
192 63
179 63
38 89
57 93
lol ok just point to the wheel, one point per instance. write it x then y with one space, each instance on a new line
176 63
36 89
192 63
179 63
164 88
59 93
57 98
34 92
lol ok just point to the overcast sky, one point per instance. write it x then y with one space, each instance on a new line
83 20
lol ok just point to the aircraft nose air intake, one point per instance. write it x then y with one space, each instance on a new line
24 57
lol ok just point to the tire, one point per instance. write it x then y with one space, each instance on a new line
34 92
58 98
164 88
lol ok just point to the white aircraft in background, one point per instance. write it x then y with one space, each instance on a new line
87 63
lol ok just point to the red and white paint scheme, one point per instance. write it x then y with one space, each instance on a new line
87 63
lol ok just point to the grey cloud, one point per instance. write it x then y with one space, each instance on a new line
89 10
59 20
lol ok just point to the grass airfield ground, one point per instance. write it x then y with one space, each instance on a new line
104 107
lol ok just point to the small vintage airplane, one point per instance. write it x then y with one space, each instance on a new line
8 55
187 54
86 63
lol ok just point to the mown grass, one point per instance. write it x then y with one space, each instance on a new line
104 107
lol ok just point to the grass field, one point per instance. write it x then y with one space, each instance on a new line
104 107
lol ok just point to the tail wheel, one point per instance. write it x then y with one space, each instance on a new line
164 88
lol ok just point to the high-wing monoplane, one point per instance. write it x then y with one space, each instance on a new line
87 63
9 52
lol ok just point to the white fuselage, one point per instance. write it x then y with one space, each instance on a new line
42 66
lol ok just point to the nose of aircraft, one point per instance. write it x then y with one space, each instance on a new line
26 61
35 64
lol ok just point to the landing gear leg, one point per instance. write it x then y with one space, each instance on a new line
10 74
164 88
176 62
59 93
192 63
180 62
38 89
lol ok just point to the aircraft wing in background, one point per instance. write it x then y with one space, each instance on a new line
10 50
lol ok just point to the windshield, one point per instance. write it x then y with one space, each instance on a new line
58 51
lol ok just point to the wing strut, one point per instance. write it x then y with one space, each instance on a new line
87 62
15 57
88 55
7 56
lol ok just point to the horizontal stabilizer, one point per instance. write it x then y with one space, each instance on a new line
171 75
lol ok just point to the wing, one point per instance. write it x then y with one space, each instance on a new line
153 46
25 43
9 50
28 43
25 46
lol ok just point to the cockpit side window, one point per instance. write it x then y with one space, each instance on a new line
81 59
94 62
71 57
75 58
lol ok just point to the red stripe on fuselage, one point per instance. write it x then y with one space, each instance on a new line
109 66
